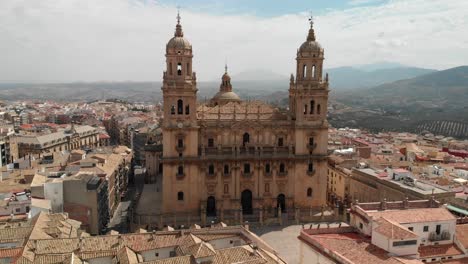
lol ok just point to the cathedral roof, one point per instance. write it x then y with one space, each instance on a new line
247 110
226 96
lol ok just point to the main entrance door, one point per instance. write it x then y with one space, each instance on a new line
211 206
281 202
246 201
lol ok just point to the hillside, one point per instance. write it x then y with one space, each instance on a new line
447 88
435 102
350 78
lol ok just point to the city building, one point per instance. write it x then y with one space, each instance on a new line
75 137
227 154
389 232
55 238
372 185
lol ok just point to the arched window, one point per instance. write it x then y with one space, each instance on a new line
187 109
211 169
304 71
280 142
313 71
267 168
309 192
180 143
210 142
180 196
179 68
226 169
180 107
245 138
246 168
318 109
312 106
282 168
310 168
311 141
172 110
180 170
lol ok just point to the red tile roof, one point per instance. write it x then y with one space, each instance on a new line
461 234
10 252
439 251
352 247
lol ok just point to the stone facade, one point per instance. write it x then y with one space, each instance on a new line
75 137
229 154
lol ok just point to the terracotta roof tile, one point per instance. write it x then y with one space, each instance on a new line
416 215
393 230
461 234
439 251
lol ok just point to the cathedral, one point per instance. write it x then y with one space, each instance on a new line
227 154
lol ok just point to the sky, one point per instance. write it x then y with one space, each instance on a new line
124 40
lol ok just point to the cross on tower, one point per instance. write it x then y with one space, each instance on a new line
178 15
311 19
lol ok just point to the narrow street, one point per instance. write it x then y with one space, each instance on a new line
119 221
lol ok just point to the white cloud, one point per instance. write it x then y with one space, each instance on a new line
86 40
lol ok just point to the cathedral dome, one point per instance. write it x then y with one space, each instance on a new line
310 45
222 96
179 43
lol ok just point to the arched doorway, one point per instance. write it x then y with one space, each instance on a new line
211 206
281 202
246 201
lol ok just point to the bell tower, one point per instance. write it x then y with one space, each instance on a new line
308 92
179 127
179 82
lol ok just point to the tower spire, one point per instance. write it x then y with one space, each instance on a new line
311 36
178 31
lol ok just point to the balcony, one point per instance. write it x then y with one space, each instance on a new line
445 235
180 176
268 174
282 173
247 174
311 172
227 175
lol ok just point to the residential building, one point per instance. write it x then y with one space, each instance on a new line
54 238
389 232
75 137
